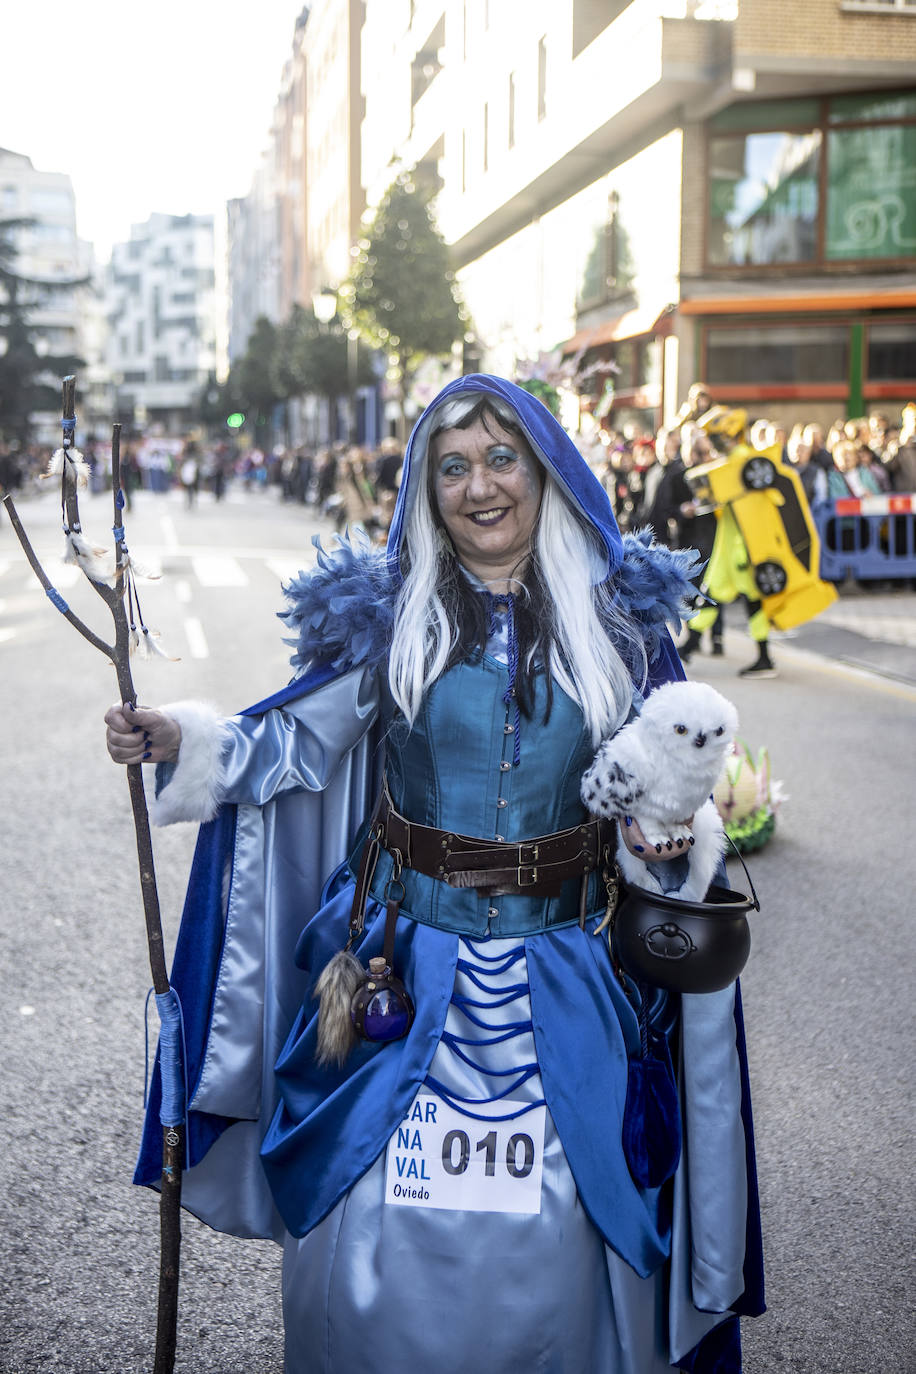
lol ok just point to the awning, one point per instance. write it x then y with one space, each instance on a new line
786 303
632 325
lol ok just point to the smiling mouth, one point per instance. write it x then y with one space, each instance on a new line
488 517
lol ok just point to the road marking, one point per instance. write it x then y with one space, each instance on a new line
284 568
64 575
219 571
169 532
6 634
183 591
197 640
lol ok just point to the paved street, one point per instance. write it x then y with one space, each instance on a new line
827 990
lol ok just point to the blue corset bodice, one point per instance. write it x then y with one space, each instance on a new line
454 770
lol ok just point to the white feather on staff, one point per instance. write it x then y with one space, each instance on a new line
140 569
56 465
143 644
92 558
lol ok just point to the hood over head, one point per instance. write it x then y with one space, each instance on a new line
550 444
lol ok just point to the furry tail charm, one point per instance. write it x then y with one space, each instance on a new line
335 989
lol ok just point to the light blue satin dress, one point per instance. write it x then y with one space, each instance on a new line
602 1276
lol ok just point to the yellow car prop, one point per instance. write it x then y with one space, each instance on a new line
760 504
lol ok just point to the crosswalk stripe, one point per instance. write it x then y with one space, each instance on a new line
284 569
219 571
197 640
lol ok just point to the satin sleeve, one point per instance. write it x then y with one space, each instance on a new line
253 758
298 746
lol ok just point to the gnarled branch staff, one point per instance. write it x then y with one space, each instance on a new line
113 592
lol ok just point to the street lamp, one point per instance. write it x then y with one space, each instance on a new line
324 304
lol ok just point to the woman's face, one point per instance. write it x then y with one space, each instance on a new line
487 485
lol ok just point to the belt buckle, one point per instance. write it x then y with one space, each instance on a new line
526 865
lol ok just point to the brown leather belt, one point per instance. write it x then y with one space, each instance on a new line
532 868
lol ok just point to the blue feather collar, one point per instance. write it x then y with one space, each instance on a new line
342 611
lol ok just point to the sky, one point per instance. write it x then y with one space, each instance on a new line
147 107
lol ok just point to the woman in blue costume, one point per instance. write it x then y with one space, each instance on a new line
458 1197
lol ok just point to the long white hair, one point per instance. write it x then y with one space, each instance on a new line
571 561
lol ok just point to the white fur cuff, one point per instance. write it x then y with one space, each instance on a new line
192 788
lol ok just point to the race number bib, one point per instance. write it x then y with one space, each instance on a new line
438 1157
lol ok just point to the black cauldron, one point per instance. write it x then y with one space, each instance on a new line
682 946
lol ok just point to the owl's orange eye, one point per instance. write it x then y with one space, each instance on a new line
681 729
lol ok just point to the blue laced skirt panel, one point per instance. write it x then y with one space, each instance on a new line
434 1290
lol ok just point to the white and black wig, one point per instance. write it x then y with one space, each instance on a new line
565 614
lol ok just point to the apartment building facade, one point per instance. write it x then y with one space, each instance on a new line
641 193
162 320
676 190
66 323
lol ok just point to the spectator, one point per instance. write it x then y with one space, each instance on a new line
901 466
189 472
818 452
812 477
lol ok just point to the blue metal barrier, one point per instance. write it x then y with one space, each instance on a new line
867 537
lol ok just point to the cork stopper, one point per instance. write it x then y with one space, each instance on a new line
377 966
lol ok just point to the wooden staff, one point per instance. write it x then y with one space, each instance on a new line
119 654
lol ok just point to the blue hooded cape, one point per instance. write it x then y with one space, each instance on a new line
341 615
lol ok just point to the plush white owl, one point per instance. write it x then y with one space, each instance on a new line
660 770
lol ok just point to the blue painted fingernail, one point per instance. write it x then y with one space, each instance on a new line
148 754
668 844
628 820
135 728
680 844
658 849
638 848
691 840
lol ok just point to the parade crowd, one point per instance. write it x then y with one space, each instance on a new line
643 475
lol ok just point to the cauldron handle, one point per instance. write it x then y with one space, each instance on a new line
746 874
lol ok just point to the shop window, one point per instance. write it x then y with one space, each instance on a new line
804 181
892 352
777 354
871 192
763 198
649 362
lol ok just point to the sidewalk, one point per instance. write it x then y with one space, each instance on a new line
873 631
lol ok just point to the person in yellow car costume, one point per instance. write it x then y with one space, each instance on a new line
766 548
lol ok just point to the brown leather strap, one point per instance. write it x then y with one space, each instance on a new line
536 867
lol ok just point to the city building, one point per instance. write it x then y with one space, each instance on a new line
267 230
641 194
798 264
65 323
162 320
667 191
